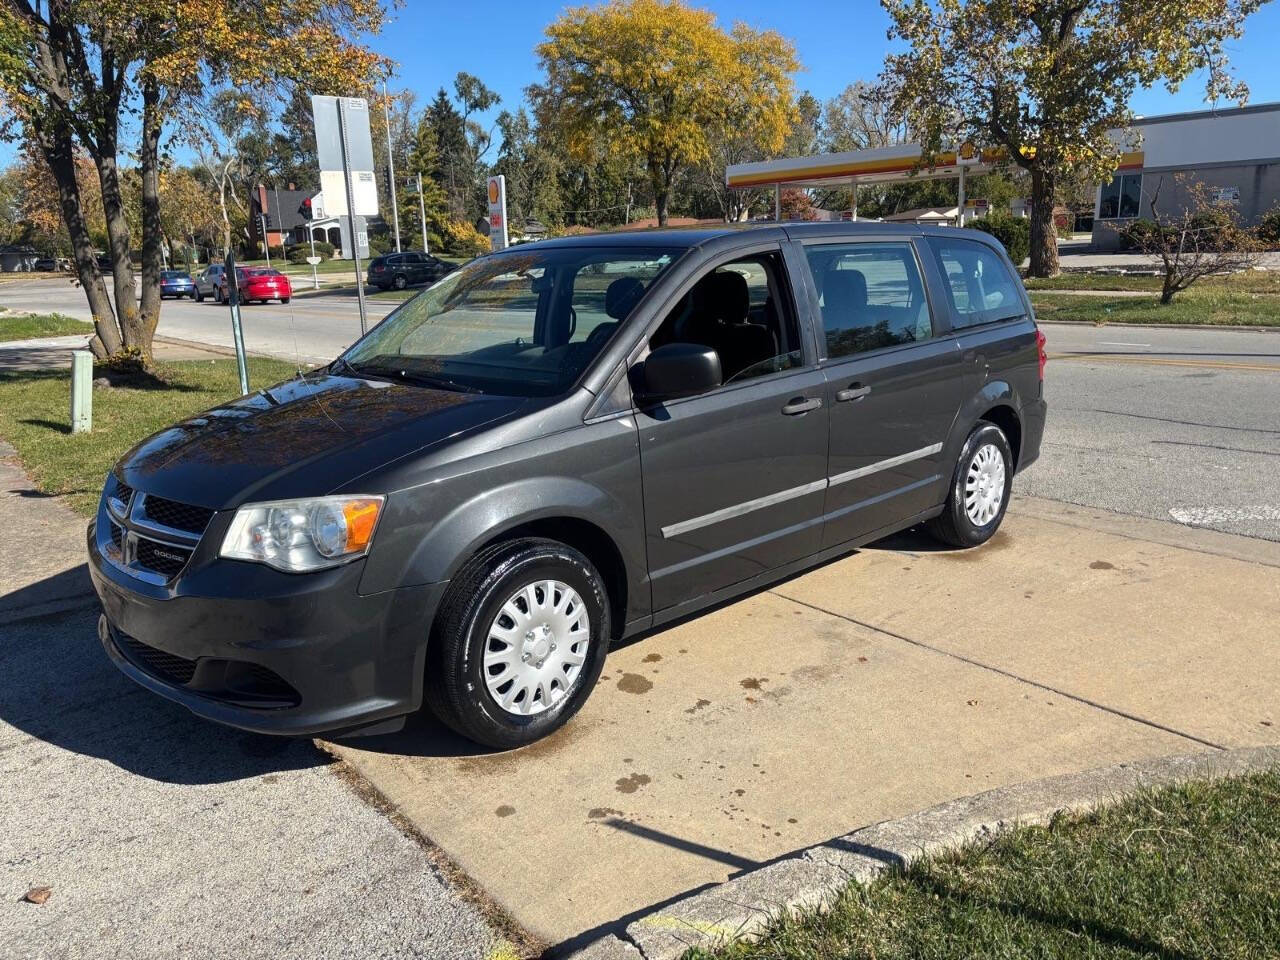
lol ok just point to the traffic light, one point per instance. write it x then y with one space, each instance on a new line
304 209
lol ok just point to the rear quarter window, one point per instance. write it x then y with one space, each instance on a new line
979 284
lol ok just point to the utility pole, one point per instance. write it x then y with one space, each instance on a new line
391 166
422 213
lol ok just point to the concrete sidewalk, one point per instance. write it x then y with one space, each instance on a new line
164 836
897 678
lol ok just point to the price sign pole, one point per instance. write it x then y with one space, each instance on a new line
351 211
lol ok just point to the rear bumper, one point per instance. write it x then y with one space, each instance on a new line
1033 417
261 650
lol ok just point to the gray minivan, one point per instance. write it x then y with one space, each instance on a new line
557 447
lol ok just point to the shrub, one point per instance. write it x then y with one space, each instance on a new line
1013 232
1269 227
463 240
277 252
323 249
1136 234
379 245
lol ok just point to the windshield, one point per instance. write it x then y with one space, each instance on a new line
524 323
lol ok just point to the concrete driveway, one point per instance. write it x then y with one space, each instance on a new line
896 678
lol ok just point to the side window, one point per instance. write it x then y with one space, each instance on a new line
743 310
981 288
871 294
604 294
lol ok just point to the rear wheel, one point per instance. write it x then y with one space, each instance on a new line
284 299
979 493
519 642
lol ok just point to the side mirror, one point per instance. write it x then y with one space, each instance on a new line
676 370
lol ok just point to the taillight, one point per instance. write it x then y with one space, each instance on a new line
1044 357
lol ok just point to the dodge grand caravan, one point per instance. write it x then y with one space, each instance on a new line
554 448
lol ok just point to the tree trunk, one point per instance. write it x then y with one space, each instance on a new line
661 191
118 238
58 149
152 231
1044 236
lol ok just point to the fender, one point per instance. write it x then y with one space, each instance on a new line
443 545
994 393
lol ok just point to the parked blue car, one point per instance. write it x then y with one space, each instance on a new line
176 283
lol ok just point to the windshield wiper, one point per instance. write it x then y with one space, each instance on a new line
431 380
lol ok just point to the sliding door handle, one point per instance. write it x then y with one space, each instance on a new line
800 405
856 392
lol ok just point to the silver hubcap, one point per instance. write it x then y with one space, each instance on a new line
984 485
536 647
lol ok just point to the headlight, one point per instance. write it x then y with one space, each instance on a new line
301 535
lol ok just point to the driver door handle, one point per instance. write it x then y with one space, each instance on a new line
799 405
856 392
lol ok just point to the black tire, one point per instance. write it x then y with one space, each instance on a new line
284 299
455 689
400 282
954 526
196 296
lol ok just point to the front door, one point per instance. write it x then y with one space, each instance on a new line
894 386
734 478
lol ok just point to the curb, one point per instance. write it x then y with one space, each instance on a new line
1237 328
742 907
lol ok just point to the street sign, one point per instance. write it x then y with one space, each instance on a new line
344 150
498 212
329 153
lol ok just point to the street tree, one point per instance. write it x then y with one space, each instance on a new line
658 82
1196 238
96 74
1046 81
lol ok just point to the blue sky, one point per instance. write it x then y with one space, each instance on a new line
838 43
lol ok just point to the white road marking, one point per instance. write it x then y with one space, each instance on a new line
1202 516
1120 343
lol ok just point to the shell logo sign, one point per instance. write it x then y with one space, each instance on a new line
498 239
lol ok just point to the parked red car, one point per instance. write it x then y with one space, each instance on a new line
259 283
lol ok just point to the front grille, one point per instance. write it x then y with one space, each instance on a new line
123 491
117 536
180 516
163 558
166 666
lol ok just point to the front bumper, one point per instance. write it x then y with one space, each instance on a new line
254 648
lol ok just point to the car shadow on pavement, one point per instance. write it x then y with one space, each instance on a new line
59 687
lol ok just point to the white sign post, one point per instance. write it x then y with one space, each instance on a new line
498 238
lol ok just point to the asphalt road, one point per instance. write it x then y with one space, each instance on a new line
1179 425
1171 424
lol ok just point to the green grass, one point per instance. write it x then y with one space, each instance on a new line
34 418
1207 307
1263 282
41 325
1189 871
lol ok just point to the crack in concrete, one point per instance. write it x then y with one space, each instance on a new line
1115 711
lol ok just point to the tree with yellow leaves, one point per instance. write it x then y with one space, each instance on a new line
1045 80
70 69
657 82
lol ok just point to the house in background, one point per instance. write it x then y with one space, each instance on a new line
17 259
288 225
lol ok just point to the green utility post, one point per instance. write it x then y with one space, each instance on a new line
81 391
237 334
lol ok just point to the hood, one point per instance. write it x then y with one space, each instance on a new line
303 437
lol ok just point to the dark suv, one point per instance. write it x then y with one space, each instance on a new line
557 447
400 270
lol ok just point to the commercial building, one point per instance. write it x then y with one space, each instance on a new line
1234 153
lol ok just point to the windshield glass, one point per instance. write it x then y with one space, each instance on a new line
525 323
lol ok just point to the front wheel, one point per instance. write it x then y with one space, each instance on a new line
519 642
979 493
400 282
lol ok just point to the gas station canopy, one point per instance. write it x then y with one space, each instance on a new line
856 167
